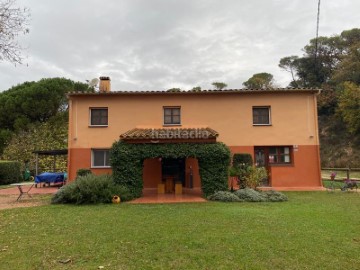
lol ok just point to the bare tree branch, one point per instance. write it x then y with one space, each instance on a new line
13 22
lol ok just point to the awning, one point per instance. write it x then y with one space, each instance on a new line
155 135
60 152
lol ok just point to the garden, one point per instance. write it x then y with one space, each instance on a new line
313 230
240 229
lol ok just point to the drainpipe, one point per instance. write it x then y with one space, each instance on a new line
191 177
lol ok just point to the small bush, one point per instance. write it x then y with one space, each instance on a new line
242 159
224 196
274 196
91 189
9 172
83 172
250 195
255 175
242 163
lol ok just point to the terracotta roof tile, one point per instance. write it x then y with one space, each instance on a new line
202 92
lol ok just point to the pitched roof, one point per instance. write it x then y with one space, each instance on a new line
169 133
202 92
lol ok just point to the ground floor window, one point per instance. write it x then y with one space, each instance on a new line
279 155
268 155
100 158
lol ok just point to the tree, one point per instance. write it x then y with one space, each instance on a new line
289 64
13 22
260 81
319 66
219 85
196 89
40 136
33 102
349 67
174 90
349 107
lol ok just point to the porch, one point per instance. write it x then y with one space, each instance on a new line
171 176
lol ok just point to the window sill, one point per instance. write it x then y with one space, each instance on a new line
281 164
262 125
100 167
98 126
171 125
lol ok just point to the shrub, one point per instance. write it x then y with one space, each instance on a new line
83 172
91 189
9 172
224 196
254 176
274 196
242 159
250 195
241 162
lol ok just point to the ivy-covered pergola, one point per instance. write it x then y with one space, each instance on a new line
127 162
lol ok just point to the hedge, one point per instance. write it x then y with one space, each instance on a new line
127 163
9 172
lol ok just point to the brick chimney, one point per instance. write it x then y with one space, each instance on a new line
105 85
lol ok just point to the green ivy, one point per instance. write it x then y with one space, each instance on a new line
127 163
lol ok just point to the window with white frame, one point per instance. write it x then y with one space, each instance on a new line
261 116
280 155
99 117
100 158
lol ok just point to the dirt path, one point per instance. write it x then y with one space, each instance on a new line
9 201
40 196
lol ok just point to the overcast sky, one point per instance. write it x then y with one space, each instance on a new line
160 44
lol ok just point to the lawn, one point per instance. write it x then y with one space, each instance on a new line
314 230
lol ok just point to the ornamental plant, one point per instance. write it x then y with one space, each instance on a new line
241 164
255 176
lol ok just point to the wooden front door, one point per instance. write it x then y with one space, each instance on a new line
262 160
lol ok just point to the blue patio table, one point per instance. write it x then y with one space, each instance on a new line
21 190
50 177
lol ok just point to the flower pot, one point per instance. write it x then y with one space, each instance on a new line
116 199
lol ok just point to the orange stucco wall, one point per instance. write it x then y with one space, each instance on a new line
304 171
293 117
80 158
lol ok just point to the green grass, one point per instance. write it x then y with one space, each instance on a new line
314 230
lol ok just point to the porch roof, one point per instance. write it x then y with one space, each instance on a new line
170 134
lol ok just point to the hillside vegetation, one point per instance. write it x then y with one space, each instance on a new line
333 64
34 116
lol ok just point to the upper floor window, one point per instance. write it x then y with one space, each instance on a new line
172 116
98 116
261 116
100 158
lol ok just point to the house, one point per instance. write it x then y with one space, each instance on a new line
278 127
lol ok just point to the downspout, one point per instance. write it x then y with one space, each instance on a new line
316 133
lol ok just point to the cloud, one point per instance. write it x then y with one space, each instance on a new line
159 44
